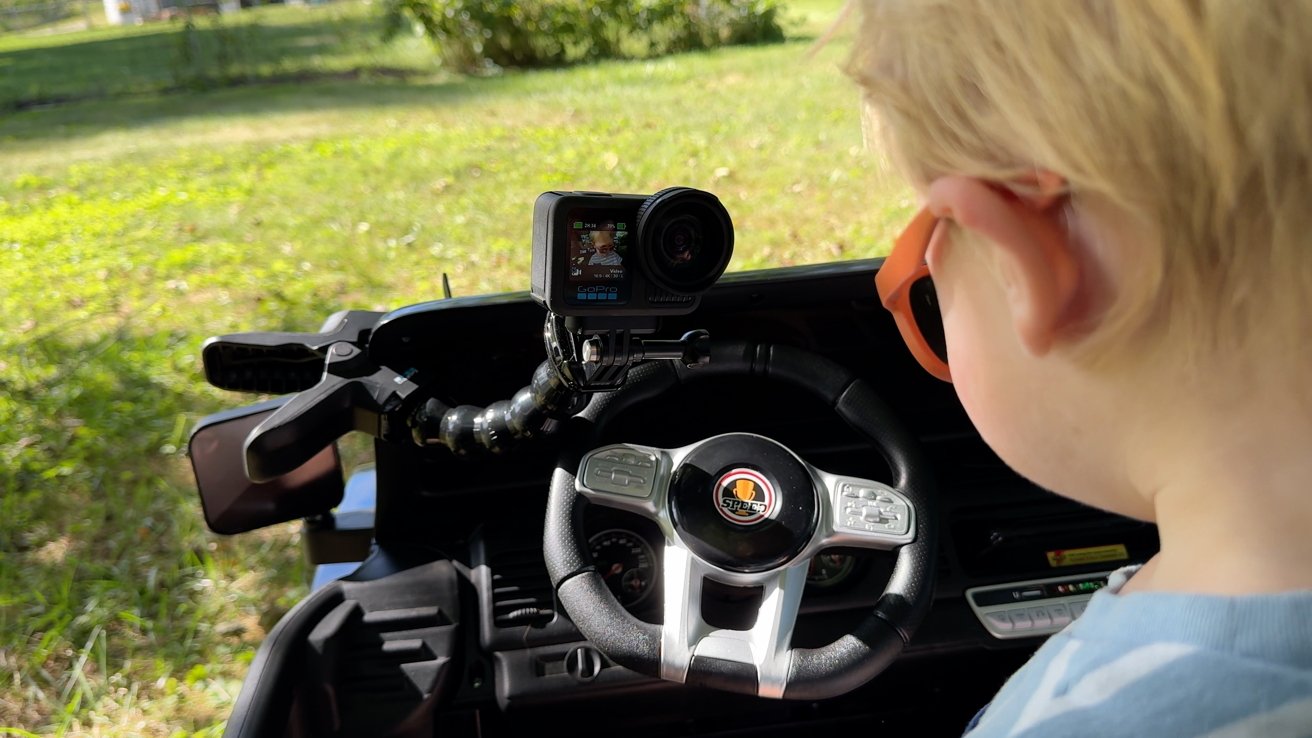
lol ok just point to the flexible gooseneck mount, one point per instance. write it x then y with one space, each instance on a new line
340 388
466 429
578 364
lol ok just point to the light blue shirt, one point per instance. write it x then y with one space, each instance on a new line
600 259
1161 664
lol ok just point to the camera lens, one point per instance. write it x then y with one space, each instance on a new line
680 243
686 239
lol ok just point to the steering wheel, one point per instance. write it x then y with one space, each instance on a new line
744 510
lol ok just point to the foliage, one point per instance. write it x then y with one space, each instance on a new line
475 35
132 227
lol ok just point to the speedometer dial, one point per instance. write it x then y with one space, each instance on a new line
626 563
829 570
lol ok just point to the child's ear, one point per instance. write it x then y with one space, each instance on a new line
1040 261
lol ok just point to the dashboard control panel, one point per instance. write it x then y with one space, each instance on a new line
1037 607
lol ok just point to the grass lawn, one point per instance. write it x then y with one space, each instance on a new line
275 42
145 217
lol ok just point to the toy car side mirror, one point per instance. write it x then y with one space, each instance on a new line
232 503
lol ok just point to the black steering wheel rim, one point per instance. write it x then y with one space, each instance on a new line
839 667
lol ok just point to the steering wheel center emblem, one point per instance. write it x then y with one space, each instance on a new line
744 497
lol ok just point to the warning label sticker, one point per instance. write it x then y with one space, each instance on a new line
1090 555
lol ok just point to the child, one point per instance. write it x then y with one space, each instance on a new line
1118 228
604 242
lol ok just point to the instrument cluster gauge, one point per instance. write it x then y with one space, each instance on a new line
829 570
626 563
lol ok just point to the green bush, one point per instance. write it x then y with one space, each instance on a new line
479 36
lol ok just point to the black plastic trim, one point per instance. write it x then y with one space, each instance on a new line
722 674
623 638
264 704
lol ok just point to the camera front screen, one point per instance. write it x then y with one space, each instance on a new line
598 258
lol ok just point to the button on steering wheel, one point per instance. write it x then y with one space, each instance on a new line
744 510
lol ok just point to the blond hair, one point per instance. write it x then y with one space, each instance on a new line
1190 117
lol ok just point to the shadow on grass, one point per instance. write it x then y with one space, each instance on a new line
370 91
324 92
105 566
186 54
138 81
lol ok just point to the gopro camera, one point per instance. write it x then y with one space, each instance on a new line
622 256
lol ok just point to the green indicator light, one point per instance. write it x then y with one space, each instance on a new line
578 224
620 226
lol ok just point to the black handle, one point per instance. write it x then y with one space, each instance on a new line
351 395
301 428
280 363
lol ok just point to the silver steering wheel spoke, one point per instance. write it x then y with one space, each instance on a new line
765 646
863 513
628 477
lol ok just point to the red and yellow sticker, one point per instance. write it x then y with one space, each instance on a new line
1090 555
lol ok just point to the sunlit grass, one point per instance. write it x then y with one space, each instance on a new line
133 227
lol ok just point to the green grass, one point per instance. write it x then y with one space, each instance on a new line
38 18
133 226
277 42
